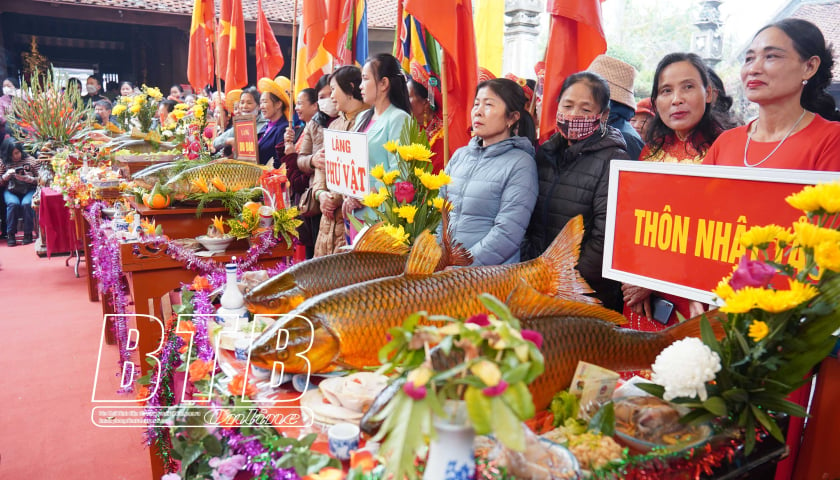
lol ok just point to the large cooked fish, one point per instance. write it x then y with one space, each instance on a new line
374 255
349 325
234 174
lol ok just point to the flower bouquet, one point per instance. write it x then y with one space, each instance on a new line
780 311
408 200
135 113
256 219
486 361
48 117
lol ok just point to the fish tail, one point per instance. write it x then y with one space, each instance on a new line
691 327
453 253
561 257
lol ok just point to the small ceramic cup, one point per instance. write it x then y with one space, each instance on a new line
343 439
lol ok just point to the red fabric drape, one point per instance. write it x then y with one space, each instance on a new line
576 37
200 60
269 56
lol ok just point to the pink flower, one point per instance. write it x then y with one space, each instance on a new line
208 132
404 192
751 273
480 320
495 391
533 336
228 468
417 393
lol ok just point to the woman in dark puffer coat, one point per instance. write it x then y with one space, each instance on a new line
573 168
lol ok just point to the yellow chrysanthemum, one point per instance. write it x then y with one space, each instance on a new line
203 101
740 301
179 114
809 235
723 290
758 330
375 199
439 202
488 372
391 146
761 237
389 177
434 182
419 172
125 100
378 172
198 112
407 212
775 301
119 109
135 109
829 196
397 233
153 92
806 200
415 151
827 256
182 106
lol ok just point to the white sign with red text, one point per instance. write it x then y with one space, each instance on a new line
346 162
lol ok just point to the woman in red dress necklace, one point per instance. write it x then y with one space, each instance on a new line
786 71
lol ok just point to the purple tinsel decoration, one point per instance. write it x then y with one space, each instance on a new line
107 268
202 310
252 448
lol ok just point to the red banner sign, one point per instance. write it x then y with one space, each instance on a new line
676 228
245 138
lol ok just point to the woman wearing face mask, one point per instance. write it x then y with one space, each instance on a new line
347 98
9 92
494 178
383 87
249 106
298 153
574 167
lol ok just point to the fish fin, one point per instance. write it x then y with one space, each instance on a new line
526 301
562 257
453 253
374 239
691 327
424 256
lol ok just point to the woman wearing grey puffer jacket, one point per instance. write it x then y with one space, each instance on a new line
494 178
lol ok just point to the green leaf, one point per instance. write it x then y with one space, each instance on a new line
479 409
497 307
604 420
779 405
517 374
518 397
696 417
768 423
212 446
749 431
715 405
506 425
708 335
651 388
736 395
191 454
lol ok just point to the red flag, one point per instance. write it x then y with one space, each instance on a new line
575 39
338 21
236 75
456 36
269 56
314 26
224 37
200 60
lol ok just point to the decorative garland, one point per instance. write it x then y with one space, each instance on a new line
107 268
163 395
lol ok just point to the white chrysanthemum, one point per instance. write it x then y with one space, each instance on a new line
684 368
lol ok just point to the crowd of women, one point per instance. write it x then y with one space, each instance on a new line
511 196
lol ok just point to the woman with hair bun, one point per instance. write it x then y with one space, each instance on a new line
786 71
494 178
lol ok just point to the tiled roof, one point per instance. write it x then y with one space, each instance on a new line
382 14
825 15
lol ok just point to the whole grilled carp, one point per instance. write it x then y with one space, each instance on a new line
234 174
374 255
349 325
154 174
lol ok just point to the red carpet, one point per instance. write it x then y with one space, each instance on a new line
49 340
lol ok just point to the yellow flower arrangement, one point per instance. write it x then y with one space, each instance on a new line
790 328
409 198
397 233
118 109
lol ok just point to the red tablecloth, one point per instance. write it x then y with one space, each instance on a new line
54 219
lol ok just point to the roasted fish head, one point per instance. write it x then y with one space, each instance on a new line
277 295
296 344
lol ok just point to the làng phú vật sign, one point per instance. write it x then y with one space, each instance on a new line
346 162
676 228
